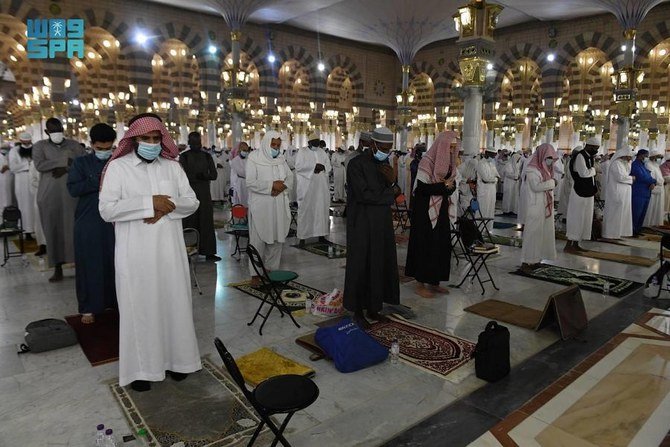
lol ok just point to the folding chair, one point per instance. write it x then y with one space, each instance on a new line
457 248
192 242
12 225
400 213
470 235
664 269
240 226
272 284
476 216
283 394
294 215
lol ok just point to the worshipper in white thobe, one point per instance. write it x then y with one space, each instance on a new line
511 174
402 171
617 220
566 189
39 232
238 168
665 170
523 187
20 157
290 156
558 174
313 168
5 179
219 187
339 174
53 158
539 238
580 208
146 194
656 210
502 160
604 166
269 180
487 179
454 198
467 182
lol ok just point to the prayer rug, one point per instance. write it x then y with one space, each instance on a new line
204 410
503 225
585 280
294 295
618 257
98 340
308 342
422 347
506 240
28 246
265 363
401 275
650 237
322 249
515 314
291 233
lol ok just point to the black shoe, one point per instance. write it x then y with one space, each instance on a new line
213 258
141 385
177 377
301 243
323 240
42 251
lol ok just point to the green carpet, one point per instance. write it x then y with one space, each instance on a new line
321 249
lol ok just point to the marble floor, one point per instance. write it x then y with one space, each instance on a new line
57 398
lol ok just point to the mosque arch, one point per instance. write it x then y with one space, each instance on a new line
247 64
423 88
357 84
339 90
294 83
306 61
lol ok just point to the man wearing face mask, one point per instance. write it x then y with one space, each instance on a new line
487 179
53 158
643 186
146 194
312 167
93 237
617 222
238 162
269 180
200 170
20 157
580 206
656 210
371 277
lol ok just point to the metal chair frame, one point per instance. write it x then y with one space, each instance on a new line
12 225
400 213
477 261
239 216
192 242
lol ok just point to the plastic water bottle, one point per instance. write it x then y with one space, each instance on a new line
100 436
308 305
109 439
142 437
330 251
606 288
395 351
41 263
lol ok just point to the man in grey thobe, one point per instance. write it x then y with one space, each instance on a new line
52 158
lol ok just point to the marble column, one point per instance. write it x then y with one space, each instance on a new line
549 135
644 139
622 132
211 133
472 120
661 141
236 127
405 87
183 134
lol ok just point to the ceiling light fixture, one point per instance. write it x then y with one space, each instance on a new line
271 58
212 49
321 66
551 57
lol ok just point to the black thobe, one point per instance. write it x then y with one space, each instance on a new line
372 267
93 238
200 170
429 249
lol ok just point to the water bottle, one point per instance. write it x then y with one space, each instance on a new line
24 261
41 263
100 436
109 439
606 288
395 351
330 251
308 305
142 437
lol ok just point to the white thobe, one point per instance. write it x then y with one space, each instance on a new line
5 184
566 190
617 218
269 217
523 190
467 171
604 167
219 187
25 198
153 289
313 194
511 172
559 173
290 161
487 178
580 209
538 233
37 221
454 199
656 210
237 174
338 176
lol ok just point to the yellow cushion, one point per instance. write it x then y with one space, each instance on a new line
265 363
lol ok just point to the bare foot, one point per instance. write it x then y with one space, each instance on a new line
423 292
438 289
87 318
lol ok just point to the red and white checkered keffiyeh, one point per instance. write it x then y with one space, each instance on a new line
435 165
139 127
537 162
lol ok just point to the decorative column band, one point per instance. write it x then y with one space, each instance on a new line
235 35
629 34
405 69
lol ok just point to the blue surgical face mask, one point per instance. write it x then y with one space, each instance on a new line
244 154
381 156
102 155
149 151
275 153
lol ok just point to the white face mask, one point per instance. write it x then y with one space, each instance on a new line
26 146
56 137
549 162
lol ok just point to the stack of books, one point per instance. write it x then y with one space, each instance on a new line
484 248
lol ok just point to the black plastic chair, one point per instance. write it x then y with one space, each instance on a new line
457 248
470 237
475 213
664 269
192 242
12 225
284 394
272 284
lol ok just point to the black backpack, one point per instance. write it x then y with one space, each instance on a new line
48 334
492 353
